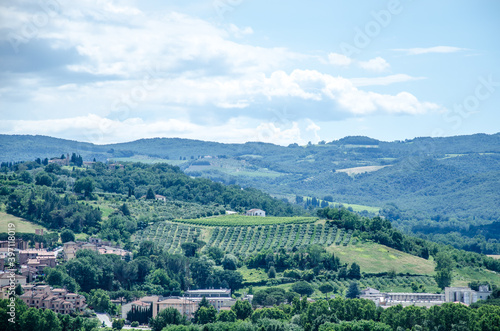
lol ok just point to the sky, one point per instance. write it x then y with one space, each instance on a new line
249 70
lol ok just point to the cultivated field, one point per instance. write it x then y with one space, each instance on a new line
240 220
247 239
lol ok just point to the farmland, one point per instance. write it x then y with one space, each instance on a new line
240 220
278 232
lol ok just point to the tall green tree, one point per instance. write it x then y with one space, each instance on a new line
67 235
167 317
352 291
84 184
242 309
443 278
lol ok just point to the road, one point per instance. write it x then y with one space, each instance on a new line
104 317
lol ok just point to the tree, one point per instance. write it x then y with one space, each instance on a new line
242 309
150 195
54 276
352 291
166 317
443 278
354 271
50 321
26 177
230 262
226 316
19 290
326 288
205 315
271 273
84 184
67 235
443 261
204 303
216 254
303 288
31 320
100 301
124 209
118 324
189 248
42 178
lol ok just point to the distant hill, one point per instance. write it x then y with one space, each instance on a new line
451 181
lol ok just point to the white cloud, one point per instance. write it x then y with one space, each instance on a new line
239 33
339 59
377 64
199 73
98 130
436 49
385 80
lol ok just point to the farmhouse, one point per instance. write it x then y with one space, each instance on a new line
255 212
160 197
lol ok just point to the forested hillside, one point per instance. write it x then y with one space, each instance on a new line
76 198
426 186
180 239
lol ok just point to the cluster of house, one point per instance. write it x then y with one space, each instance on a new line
32 262
95 244
58 300
463 295
219 298
43 296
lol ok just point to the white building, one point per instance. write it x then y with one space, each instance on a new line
256 212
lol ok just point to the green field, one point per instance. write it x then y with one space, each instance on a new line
355 207
148 160
359 208
463 276
241 220
103 206
375 258
21 225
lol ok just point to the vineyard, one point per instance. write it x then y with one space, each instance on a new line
240 220
246 239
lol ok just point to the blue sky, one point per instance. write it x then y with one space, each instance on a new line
249 70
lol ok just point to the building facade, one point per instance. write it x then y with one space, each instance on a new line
57 300
256 212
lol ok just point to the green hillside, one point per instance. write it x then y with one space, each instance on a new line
20 225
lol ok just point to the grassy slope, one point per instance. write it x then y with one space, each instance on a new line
375 258
21 224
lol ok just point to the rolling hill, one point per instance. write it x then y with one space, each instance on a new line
441 182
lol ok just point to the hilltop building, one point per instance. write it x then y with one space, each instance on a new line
256 212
